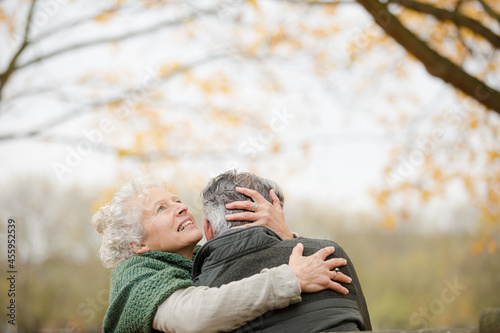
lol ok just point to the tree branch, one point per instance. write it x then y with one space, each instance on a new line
130 94
457 18
153 28
44 127
4 77
489 10
73 23
435 64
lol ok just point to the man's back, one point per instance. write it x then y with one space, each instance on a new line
242 253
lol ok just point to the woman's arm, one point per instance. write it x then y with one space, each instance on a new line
204 309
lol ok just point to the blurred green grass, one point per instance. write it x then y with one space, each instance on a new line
405 275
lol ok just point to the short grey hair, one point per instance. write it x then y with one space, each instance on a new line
120 220
221 191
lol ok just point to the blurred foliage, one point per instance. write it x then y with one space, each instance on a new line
406 271
406 274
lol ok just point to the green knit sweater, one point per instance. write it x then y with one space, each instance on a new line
140 284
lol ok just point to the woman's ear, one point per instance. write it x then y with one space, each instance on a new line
138 248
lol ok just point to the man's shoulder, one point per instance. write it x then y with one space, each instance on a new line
311 242
311 245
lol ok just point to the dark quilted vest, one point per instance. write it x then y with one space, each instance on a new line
245 252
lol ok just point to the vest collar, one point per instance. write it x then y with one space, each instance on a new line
232 245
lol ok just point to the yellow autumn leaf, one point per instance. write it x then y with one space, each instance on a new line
438 175
127 152
9 21
473 123
168 69
493 197
492 155
3 17
276 147
252 49
105 16
217 84
469 184
253 3
488 215
381 198
425 195
277 37
225 118
330 8
115 104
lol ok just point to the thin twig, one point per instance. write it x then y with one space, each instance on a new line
460 20
490 10
68 25
125 36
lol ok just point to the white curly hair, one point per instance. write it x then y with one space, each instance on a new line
119 221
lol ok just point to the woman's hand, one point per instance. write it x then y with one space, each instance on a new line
314 273
265 214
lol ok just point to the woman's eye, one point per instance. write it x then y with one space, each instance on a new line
161 208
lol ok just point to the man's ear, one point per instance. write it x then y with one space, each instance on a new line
207 227
138 249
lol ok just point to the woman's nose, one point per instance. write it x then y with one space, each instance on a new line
182 209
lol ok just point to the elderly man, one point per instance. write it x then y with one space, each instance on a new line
235 253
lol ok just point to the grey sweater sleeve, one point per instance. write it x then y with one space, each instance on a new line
204 309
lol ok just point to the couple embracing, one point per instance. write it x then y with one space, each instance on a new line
252 275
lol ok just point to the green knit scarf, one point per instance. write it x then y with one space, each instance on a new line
140 284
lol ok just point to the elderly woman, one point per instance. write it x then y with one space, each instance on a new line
150 237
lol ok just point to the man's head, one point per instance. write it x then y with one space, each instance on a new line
221 191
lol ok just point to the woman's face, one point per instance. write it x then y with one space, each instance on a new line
170 226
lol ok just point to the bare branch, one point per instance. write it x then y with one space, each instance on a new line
72 24
467 47
457 18
62 27
153 28
4 77
489 10
44 127
129 94
25 93
435 64
460 37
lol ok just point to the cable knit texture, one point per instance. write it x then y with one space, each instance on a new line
140 284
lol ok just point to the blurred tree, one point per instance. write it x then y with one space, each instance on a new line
448 37
61 282
457 45
457 41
